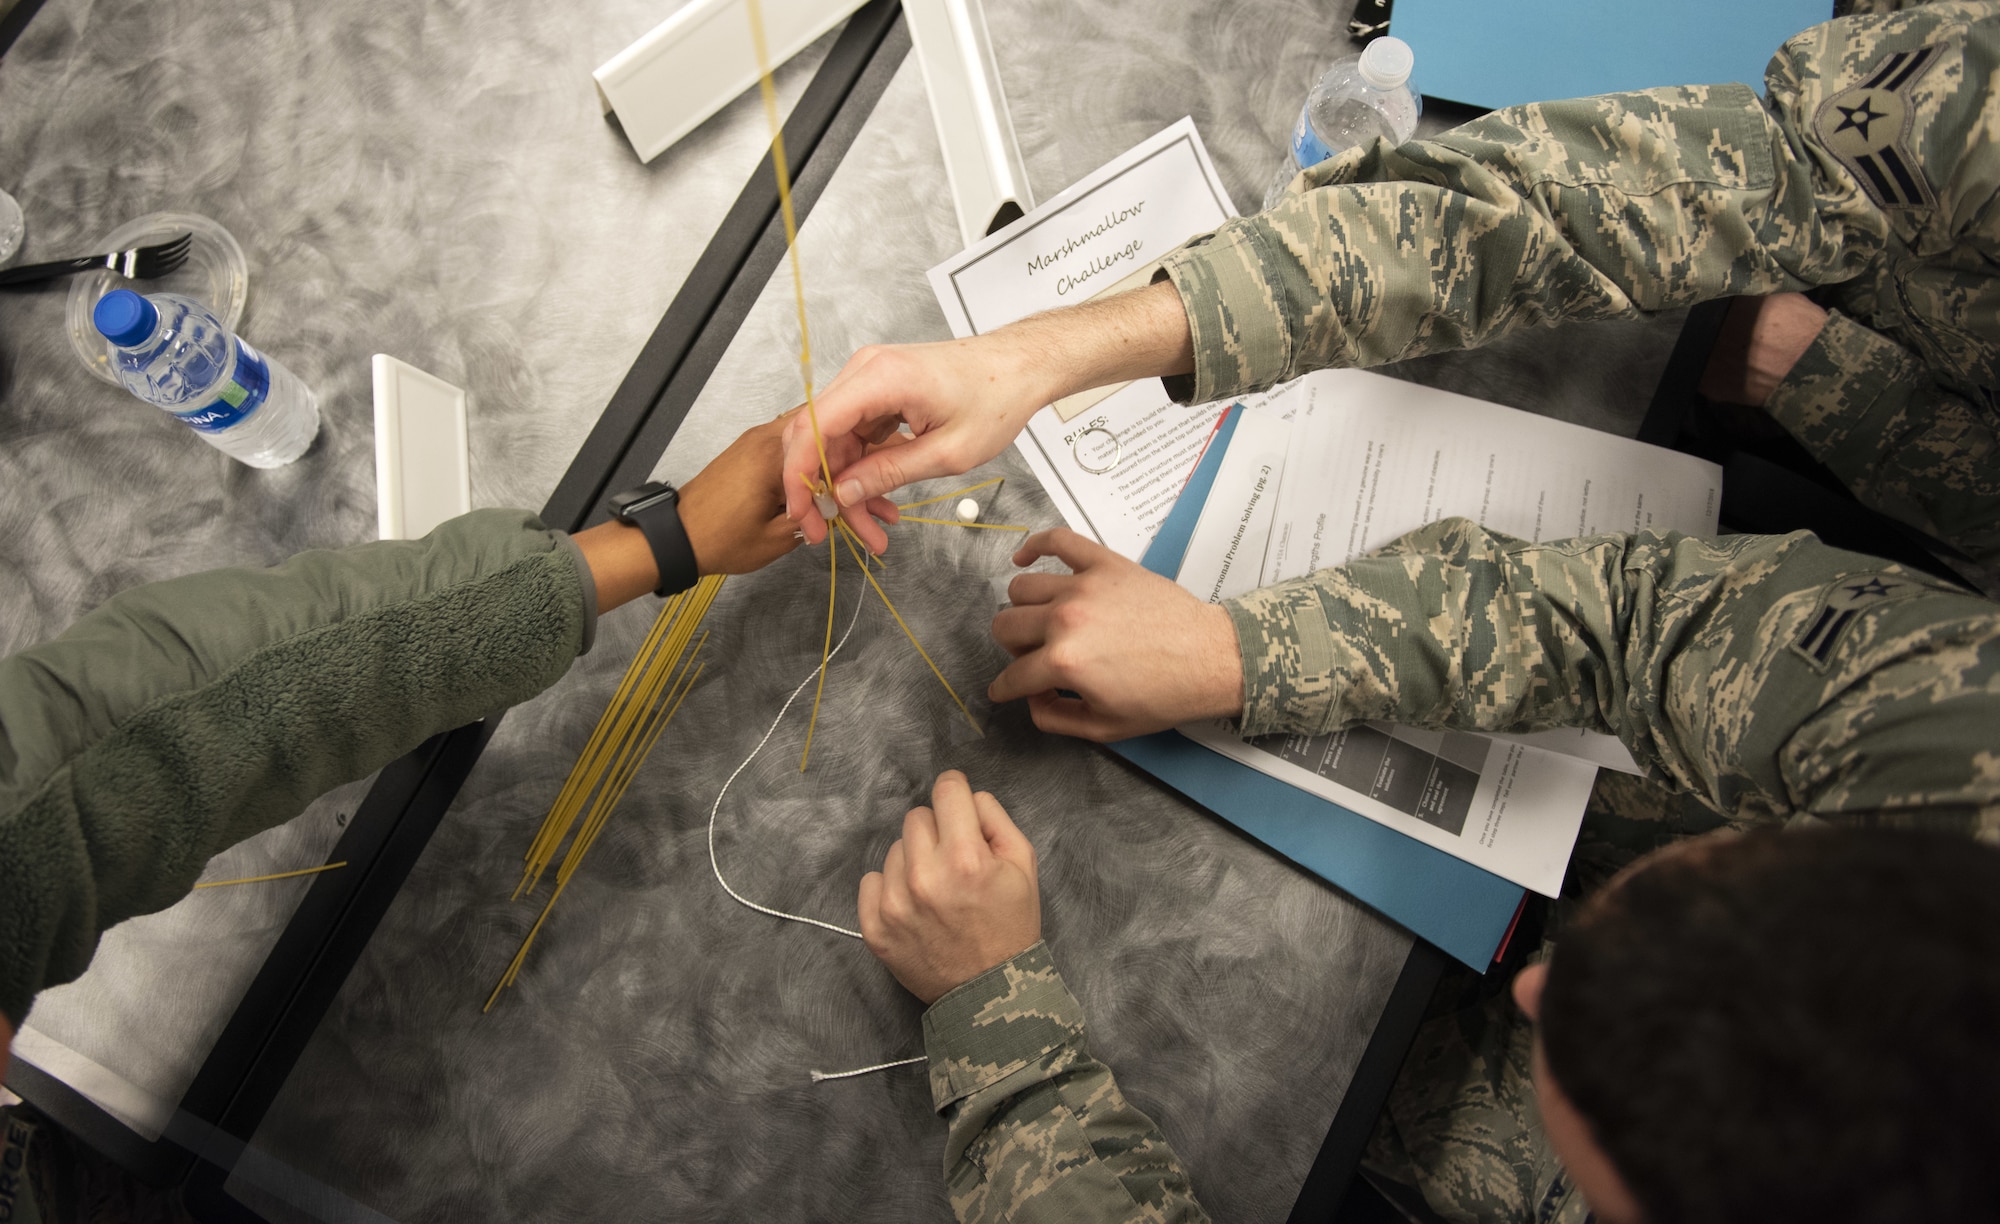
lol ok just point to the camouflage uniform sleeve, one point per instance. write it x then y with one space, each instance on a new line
1038 1128
1851 8
1582 209
1916 451
1771 675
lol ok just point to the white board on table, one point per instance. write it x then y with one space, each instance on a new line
423 459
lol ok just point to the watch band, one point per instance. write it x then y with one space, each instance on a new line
654 508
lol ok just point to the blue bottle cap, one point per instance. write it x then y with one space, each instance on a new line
124 318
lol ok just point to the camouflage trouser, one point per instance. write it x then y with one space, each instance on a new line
17 1196
45 1175
1460 1127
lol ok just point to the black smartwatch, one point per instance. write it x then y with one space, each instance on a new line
654 508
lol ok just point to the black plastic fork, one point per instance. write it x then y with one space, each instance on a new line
139 263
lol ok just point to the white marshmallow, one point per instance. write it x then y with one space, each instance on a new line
968 511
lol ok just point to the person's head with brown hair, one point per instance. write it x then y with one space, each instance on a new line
1780 1026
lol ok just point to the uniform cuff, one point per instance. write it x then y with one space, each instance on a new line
1014 1014
1242 337
1300 671
1836 399
588 581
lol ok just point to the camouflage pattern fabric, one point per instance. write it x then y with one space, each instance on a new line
47 1176
1772 676
17 1193
1902 443
1038 1128
1869 172
1851 8
1460 1127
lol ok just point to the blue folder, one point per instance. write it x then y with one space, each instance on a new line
1462 909
1493 55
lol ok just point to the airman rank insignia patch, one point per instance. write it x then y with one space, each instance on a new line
1867 126
1840 605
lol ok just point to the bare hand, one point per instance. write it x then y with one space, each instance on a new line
734 512
1141 653
964 400
956 896
1761 340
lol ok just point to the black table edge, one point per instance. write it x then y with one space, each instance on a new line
1340 1154
15 21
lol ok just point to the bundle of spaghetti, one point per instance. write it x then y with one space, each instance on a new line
661 674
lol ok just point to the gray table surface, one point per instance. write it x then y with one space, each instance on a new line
434 181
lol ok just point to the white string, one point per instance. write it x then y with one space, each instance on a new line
818 1077
716 866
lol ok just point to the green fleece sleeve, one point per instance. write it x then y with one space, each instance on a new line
1038 1128
184 716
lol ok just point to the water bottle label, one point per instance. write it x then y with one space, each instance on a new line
242 395
1307 148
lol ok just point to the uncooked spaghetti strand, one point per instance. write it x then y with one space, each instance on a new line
280 875
596 754
825 648
614 788
653 669
779 165
848 538
661 673
660 713
682 685
591 797
782 169
514 966
911 518
624 783
554 827
932 501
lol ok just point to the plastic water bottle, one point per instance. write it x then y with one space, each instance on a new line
173 353
1359 99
